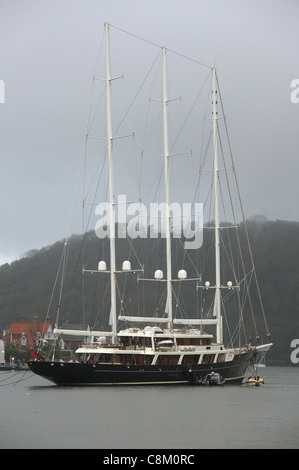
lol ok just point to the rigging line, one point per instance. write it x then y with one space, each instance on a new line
96 190
225 316
157 45
83 157
17 381
201 166
190 58
100 167
231 259
10 377
234 333
122 305
84 283
186 255
135 36
122 295
161 302
227 179
82 154
154 126
144 140
245 294
124 169
138 91
237 234
64 254
180 306
158 179
100 50
91 121
202 156
102 302
245 278
192 107
66 244
74 272
21 379
62 266
55 282
150 98
243 216
140 265
134 251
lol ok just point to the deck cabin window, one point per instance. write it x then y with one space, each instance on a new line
221 357
135 342
208 358
165 360
105 359
108 358
128 359
193 341
148 359
190 359
124 359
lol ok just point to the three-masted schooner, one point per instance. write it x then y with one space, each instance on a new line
163 350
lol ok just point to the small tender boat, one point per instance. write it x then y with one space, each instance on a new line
214 378
255 381
164 345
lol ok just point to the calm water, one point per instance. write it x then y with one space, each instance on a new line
35 414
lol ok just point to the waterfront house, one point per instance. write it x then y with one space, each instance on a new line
23 334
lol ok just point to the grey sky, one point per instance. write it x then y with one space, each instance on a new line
47 59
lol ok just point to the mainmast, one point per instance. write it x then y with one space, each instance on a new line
217 305
166 173
111 187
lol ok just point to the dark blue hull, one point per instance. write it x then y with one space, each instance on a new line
75 373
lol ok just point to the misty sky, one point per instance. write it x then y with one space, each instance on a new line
48 52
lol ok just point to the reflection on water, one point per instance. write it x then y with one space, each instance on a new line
37 414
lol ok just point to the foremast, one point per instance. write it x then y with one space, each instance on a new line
113 318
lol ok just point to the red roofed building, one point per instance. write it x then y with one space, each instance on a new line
23 335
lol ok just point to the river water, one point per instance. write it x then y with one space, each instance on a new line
38 415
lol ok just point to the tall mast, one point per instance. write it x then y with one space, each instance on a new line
111 188
217 305
166 173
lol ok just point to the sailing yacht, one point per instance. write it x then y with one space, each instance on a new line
165 349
